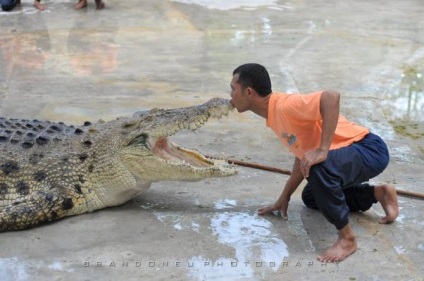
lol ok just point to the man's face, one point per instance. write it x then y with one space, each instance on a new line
239 97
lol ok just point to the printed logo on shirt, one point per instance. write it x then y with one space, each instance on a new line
291 139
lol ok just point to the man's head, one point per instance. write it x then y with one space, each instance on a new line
249 80
255 76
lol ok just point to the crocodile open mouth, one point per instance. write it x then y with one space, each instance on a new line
162 124
172 152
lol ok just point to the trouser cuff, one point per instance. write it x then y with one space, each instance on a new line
341 224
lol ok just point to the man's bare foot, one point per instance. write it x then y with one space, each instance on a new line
80 5
387 196
100 4
344 247
39 6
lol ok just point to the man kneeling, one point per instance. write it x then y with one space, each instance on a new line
334 155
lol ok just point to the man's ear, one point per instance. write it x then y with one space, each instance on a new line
248 91
251 92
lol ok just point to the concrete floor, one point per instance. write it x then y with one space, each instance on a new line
72 66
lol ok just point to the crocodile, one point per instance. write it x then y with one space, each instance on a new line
50 170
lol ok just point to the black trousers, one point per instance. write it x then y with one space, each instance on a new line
337 185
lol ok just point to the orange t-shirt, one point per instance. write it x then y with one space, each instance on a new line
296 120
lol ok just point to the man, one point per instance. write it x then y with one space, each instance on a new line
83 3
334 155
8 5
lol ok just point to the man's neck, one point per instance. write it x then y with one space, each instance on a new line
261 106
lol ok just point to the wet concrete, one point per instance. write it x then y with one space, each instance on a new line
73 66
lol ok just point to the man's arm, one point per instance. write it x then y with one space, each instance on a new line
330 110
292 183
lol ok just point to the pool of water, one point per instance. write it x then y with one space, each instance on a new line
235 4
258 248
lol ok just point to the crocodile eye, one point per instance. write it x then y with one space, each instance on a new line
140 140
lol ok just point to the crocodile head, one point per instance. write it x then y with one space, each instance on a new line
149 154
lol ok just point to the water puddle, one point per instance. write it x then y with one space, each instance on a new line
400 250
27 10
17 269
225 204
225 5
27 7
14 269
258 248
404 104
408 101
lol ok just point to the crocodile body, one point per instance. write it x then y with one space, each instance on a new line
51 170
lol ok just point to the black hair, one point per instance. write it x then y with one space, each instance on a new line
256 76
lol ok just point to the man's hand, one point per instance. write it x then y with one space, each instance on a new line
282 203
311 158
282 207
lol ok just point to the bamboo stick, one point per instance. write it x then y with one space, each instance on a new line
410 194
406 193
257 166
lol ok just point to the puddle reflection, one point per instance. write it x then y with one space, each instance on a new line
404 107
408 101
13 269
404 103
92 53
23 53
87 52
27 10
234 4
16 269
258 248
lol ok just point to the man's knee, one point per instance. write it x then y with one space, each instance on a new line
7 8
308 198
8 5
328 195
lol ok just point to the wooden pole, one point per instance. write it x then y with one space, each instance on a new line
257 166
406 193
410 194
